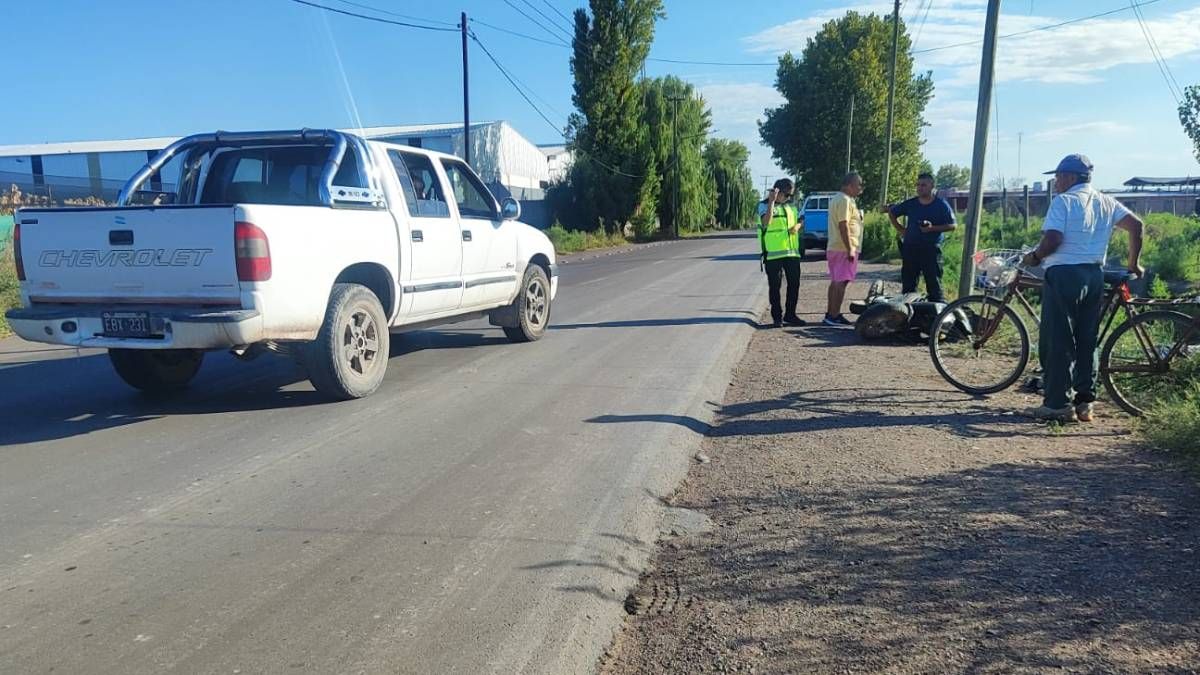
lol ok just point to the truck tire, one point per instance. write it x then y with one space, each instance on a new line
156 371
349 357
532 307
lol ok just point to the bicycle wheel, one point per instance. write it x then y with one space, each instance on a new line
1134 366
979 345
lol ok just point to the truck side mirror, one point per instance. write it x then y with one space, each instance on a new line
510 209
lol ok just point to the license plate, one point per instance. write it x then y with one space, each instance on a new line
126 324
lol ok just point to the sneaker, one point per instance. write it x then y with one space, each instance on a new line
830 321
1083 411
794 321
1047 414
841 320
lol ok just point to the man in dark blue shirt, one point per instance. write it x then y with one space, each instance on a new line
928 217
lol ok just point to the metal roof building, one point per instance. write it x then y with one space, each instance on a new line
506 160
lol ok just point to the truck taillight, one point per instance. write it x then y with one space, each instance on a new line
16 244
252 251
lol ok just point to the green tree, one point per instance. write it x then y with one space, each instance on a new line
950 176
1189 116
850 56
728 164
673 106
613 175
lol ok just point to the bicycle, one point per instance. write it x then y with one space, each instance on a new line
980 344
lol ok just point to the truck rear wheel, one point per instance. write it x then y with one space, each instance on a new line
349 357
156 371
532 307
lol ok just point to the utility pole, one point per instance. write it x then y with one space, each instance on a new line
1025 198
891 117
983 110
850 132
466 95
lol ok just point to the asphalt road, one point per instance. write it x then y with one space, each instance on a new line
486 511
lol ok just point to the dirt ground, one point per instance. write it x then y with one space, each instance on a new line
866 517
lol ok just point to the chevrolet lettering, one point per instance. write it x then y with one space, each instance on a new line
146 257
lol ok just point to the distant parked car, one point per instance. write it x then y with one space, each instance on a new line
816 219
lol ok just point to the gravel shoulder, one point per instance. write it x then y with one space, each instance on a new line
866 517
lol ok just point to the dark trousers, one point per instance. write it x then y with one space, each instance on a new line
1072 298
776 271
922 260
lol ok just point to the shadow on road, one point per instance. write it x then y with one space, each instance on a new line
51 399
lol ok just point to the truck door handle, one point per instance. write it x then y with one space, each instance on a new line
466 235
418 235
120 237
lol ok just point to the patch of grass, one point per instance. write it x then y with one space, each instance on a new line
574 241
1175 425
9 289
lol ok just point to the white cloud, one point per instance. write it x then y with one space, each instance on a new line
1062 130
736 111
1076 53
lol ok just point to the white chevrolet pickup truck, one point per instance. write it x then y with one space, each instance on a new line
316 243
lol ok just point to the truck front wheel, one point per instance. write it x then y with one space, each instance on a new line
156 371
349 357
531 308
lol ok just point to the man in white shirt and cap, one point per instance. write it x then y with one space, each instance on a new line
1073 250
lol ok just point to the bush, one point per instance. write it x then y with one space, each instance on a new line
1175 425
879 238
573 241
9 290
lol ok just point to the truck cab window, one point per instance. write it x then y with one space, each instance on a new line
422 188
473 199
288 174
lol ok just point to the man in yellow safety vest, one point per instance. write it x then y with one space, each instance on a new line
779 236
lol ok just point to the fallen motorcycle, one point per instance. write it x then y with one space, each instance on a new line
906 316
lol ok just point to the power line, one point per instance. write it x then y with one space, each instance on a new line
1156 53
521 90
375 18
395 14
1040 28
519 34
512 80
921 27
533 21
570 22
549 20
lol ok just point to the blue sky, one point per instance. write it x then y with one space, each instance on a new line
82 70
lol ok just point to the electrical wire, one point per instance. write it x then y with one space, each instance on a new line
396 14
921 27
1039 28
552 22
374 18
534 21
518 34
1156 53
569 20
521 89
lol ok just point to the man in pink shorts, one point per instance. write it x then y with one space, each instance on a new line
845 242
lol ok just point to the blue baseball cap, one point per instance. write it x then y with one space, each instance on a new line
1073 164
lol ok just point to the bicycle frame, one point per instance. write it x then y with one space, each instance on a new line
1116 297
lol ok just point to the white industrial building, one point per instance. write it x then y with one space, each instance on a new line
506 160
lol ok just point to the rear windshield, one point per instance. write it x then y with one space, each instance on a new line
274 175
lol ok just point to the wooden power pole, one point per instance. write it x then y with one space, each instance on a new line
987 71
466 95
891 116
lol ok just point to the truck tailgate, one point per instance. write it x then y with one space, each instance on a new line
160 255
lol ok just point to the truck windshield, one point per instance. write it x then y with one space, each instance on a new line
287 174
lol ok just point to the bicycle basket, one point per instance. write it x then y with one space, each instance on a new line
997 267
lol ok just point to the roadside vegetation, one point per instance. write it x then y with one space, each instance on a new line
9 296
574 241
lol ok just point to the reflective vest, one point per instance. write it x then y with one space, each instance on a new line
774 238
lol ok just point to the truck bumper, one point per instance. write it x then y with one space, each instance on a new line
173 328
